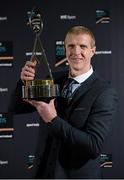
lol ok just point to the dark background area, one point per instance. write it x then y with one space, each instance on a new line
17 152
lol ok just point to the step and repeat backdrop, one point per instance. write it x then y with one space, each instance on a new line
19 133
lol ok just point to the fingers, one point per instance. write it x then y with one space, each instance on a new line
35 103
28 71
46 110
40 103
52 101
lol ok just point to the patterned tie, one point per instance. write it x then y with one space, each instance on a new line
69 88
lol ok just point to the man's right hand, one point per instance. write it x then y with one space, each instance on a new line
28 71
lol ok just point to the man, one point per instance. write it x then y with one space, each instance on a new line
79 122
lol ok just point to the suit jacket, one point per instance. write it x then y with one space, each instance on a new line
76 136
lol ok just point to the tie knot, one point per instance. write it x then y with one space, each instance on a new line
71 81
69 87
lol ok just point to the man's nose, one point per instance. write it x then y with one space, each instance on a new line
77 50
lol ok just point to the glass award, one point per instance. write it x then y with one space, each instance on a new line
40 88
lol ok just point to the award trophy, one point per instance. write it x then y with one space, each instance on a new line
39 89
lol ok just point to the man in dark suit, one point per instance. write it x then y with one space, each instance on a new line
78 123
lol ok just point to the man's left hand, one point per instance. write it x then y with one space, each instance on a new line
46 110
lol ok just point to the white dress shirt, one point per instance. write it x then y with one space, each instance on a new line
81 78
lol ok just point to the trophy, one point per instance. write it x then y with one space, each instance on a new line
39 89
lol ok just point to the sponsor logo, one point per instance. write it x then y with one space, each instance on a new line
3 162
60 54
6 54
30 161
106 161
3 18
102 16
6 65
30 53
2 90
103 52
32 125
67 17
6 125
6 136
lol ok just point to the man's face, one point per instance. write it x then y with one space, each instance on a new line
79 53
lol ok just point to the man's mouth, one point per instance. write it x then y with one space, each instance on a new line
76 59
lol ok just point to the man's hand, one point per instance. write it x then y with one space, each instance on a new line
46 110
28 71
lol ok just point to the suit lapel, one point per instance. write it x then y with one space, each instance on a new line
85 86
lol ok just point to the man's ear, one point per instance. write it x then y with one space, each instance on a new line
93 50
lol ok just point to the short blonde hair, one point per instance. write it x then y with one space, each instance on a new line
81 30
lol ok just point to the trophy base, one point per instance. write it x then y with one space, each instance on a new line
40 90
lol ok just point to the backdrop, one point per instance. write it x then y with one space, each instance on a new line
18 133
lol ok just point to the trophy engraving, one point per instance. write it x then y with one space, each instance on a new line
39 89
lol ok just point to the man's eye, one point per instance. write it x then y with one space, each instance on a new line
83 47
71 46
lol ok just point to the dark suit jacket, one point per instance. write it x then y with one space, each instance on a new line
77 134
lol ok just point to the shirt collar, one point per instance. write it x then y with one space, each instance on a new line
81 78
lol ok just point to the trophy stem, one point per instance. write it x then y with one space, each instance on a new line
39 47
